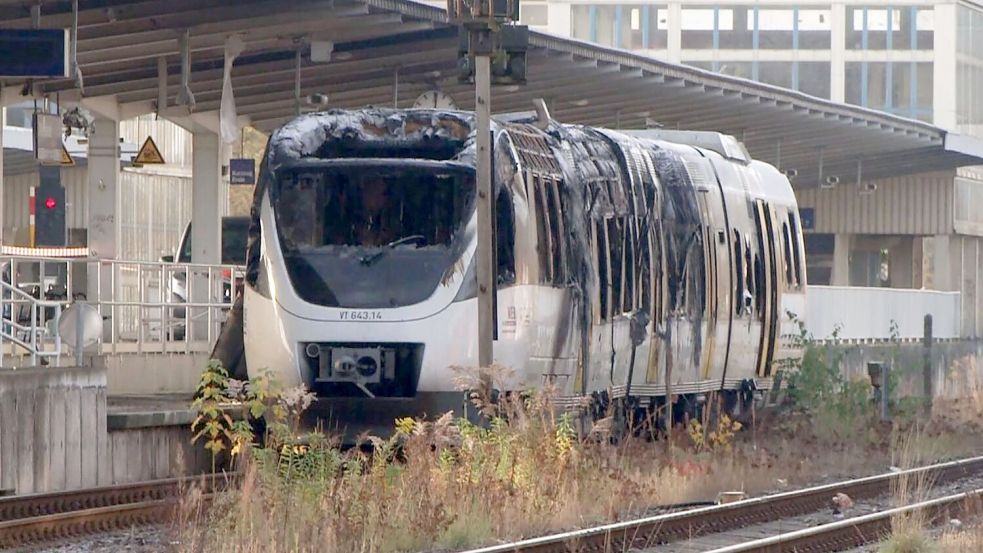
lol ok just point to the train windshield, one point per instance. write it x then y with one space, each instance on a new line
371 234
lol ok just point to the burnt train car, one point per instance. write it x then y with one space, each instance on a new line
628 263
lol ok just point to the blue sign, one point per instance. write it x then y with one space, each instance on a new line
34 53
242 171
808 217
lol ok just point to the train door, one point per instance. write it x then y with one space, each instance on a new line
710 282
767 286
554 334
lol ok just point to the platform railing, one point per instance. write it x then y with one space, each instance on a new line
23 326
146 306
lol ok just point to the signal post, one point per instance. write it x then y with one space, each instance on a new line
492 49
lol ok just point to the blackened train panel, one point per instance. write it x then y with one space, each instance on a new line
624 263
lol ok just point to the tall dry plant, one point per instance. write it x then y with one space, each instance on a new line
447 483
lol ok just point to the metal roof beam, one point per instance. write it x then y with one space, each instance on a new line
262 38
262 73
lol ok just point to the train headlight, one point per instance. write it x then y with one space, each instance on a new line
367 366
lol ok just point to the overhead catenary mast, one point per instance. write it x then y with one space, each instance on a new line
492 50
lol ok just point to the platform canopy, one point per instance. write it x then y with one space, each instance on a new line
387 52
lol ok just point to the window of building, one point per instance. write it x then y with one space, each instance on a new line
813 77
855 88
778 73
897 87
814 30
534 14
580 21
819 249
969 31
604 21
877 84
969 68
629 26
741 36
632 27
743 69
656 21
890 28
924 89
700 26
775 28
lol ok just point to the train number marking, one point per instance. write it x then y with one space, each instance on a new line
361 315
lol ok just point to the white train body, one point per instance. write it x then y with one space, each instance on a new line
625 263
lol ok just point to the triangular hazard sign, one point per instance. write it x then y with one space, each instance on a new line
148 153
66 158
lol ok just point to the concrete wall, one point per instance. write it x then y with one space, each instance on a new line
141 454
867 313
142 374
52 429
54 435
957 367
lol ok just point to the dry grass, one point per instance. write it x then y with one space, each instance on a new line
448 485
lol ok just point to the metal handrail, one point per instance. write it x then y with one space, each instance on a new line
34 347
146 306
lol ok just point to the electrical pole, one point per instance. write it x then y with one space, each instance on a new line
491 49
482 110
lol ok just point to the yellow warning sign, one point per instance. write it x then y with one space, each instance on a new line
66 158
148 153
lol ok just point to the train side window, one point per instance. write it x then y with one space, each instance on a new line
787 249
749 271
505 238
631 269
759 281
695 285
645 273
616 243
554 207
793 220
542 233
603 283
739 283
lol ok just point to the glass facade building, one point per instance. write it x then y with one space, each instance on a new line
883 55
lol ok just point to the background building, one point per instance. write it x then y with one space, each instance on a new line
921 60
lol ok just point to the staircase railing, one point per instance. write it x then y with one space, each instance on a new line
24 324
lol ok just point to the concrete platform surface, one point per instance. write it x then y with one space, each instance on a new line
146 411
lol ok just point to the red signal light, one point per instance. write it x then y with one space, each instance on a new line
50 203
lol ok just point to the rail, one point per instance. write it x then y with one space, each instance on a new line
146 306
37 518
674 527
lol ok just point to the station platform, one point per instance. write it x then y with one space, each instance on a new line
63 431
127 412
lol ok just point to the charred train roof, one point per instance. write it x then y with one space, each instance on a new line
374 133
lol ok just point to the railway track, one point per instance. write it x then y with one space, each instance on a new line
44 517
651 532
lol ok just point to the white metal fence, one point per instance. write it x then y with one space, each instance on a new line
860 313
146 307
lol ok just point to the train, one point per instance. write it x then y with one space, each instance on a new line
629 265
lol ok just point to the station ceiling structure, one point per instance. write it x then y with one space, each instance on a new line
387 52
